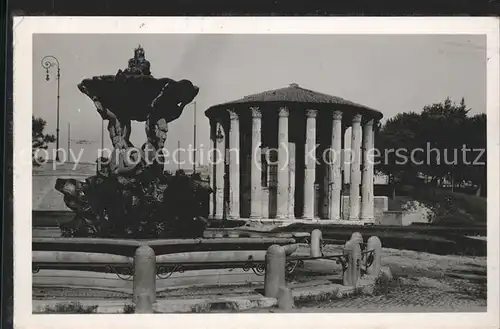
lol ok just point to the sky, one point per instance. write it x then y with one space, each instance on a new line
391 73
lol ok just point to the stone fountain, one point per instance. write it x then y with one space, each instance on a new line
131 195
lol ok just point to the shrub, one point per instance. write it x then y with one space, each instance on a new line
452 207
71 308
129 309
425 211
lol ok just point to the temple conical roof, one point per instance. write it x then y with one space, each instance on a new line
296 94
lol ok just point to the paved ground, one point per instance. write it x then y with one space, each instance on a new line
422 283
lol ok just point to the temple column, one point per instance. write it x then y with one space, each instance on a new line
234 165
336 158
367 182
345 158
355 172
283 162
213 145
256 165
325 188
345 172
220 152
310 165
291 180
325 157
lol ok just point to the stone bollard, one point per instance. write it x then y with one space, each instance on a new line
285 299
353 272
143 304
374 244
356 236
316 240
145 274
275 270
386 273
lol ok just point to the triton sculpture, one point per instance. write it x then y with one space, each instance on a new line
130 195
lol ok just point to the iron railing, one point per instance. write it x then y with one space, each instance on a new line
165 269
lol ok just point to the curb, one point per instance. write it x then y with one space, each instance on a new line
224 304
211 305
168 306
365 286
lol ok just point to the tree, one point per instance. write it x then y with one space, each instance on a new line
398 133
430 145
475 170
39 140
442 128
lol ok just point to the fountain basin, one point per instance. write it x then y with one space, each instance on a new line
127 247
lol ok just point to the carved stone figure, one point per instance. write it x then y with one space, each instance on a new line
138 65
134 94
130 195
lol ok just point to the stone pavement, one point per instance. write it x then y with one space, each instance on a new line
412 295
423 283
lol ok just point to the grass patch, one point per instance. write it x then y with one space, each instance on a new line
215 307
71 308
315 300
129 309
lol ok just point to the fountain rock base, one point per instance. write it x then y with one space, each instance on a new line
147 204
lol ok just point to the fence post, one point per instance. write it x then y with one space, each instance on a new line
374 244
144 274
275 270
356 236
285 299
316 240
143 304
353 272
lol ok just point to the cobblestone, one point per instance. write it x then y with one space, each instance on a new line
422 282
407 293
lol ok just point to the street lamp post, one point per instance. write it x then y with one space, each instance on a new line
48 62
178 156
194 139
102 135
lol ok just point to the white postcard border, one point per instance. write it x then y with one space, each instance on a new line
25 27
